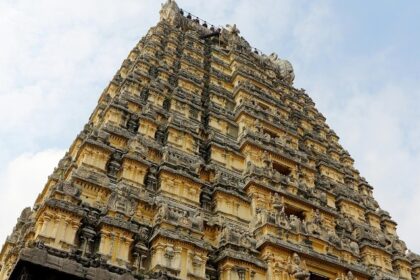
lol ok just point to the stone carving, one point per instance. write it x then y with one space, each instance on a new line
284 68
399 246
333 238
297 268
178 216
122 204
348 276
197 221
237 236
230 34
261 217
232 29
163 212
133 123
170 12
140 249
114 164
315 226
67 188
345 223
138 147
88 233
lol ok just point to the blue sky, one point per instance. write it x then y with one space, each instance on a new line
358 60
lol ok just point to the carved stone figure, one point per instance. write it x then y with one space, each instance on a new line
348 276
354 247
122 204
198 221
262 216
114 164
297 268
333 238
163 212
133 123
170 12
284 68
295 223
232 29
315 226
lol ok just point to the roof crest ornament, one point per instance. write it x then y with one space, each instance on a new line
170 12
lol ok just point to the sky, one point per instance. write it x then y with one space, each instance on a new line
358 60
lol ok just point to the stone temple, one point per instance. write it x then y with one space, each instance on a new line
202 161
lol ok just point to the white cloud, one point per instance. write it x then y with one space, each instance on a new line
375 129
316 32
377 119
21 182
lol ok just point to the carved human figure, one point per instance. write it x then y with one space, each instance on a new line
198 220
133 123
317 218
333 238
143 234
354 247
245 239
295 223
315 226
298 268
281 217
114 164
276 202
162 212
261 216
266 159
225 234
258 126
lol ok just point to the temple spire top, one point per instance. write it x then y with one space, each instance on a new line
170 12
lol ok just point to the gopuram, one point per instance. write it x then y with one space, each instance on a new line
202 161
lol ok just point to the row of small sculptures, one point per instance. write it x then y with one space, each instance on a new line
298 269
295 224
179 216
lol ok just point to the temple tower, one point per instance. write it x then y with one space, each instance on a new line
202 161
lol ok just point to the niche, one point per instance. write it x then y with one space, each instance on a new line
282 169
314 276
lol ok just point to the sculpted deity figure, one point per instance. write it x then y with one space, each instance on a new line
333 238
226 233
246 240
143 234
258 126
315 226
162 212
295 223
354 247
317 218
261 216
268 163
298 268
276 201
198 220
281 218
